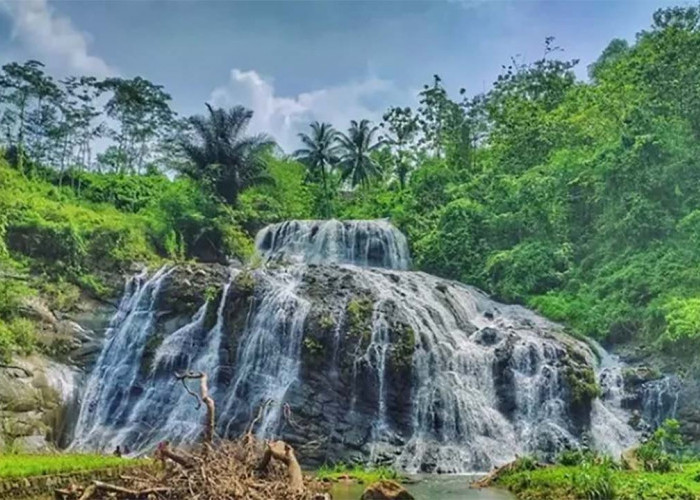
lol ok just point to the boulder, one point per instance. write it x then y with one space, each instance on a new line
32 444
630 461
386 490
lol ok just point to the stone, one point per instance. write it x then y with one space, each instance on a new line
32 444
37 309
629 460
386 490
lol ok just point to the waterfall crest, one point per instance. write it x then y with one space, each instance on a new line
344 347
359 242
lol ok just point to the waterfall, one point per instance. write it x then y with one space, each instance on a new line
364 243
106 397
268 358
610 430
341 345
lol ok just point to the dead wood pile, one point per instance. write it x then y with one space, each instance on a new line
246 468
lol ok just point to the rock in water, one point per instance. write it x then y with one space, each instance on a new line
386 490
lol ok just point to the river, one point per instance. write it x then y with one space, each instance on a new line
446 487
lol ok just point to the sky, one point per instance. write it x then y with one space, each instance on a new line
293 62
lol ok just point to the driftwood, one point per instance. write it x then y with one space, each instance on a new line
233 470
279 450
205 398
163 451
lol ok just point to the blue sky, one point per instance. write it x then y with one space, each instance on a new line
296 61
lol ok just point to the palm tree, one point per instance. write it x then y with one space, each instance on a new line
356 153
320 155
222 156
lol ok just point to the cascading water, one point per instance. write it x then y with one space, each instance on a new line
351 351
107 397
610 430
363 243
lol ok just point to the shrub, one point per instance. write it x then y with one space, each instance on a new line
17 336
661 451
593 483
682 321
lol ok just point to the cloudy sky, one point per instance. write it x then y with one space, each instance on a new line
297 61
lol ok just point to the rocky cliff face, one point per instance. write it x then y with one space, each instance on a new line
348 358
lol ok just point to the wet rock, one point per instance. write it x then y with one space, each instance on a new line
32 444
386 490
487 336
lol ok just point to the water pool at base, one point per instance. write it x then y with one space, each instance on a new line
431 488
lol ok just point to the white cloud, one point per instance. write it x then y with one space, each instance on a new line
284 117
50 37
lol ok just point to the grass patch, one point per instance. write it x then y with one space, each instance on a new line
600 482
360 473
12 466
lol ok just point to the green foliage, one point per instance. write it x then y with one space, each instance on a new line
60 295
582 384
661 452
682 320
594 483
529 268
578 199
590 481
360 473
576 457
17 336
403 346
358 316
313 346
222 160
18 465
288 196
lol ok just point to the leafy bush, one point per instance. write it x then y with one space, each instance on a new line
17 336
682 321
360 473
526 269
661 451
594 483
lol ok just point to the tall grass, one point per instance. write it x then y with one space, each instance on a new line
37 465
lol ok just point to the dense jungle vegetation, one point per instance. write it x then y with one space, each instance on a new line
579 198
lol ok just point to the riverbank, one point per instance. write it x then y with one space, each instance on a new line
599 482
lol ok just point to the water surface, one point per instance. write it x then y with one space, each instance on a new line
431 488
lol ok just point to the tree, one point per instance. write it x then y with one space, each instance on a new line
320 156
222 158
357 147
20 83
143 112
401 126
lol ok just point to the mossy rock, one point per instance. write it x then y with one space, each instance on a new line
582 385
359 319
244 283
403 340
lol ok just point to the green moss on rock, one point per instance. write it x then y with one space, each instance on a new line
245 282
359 319
582 384
404 341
